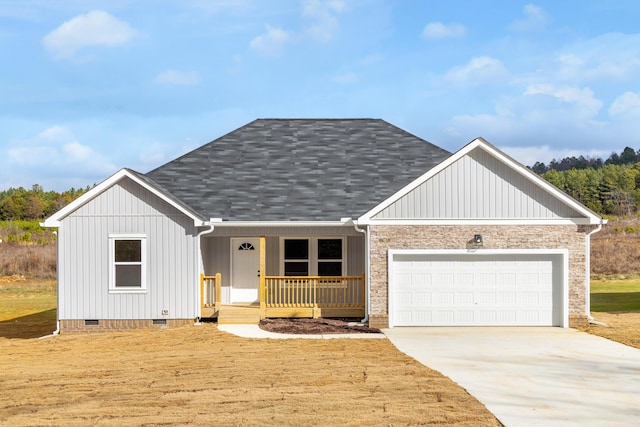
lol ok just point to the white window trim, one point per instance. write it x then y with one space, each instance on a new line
313 252
143 264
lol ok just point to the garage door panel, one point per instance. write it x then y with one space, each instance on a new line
463 298
487 317
500 289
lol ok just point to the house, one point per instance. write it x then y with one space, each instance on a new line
329 217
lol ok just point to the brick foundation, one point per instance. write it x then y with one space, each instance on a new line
578 321
379 321
81 326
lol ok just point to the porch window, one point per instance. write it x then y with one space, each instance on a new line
296 257
127 255
313 257
329 257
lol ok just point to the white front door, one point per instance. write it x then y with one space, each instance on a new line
245 269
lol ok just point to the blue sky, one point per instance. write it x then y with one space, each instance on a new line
88 87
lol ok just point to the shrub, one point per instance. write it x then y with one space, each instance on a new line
38 262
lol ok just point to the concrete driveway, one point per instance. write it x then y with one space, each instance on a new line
534 376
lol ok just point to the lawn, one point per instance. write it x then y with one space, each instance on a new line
197 375
617 304
27 309
616 295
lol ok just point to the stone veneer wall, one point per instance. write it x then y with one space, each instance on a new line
78 326
385 237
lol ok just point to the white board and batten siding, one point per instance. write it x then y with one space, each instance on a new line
171 257
478 185
484 288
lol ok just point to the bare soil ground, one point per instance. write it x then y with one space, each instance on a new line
622 327
198 375
201 376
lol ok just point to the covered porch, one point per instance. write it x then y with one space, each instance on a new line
281 277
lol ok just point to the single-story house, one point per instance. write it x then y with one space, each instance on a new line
326 217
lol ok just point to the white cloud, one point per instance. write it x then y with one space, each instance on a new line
583 98
96 28
54 133
56 150
440 31
626 104
563 118
272 41
612 56
178 78
535 19
478 70
323 15
77 152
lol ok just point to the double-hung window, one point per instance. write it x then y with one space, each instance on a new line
296 257
127 259
330 257
317 256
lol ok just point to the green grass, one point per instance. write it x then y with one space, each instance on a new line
27 310
620 295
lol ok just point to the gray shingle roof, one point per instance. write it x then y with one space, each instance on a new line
298 169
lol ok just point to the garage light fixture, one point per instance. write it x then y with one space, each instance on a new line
477 239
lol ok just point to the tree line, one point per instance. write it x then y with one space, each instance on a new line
609 187
35 203
628 156
610 190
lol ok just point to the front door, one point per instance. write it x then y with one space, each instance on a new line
245 270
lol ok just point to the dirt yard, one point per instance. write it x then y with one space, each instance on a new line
622 327
201 376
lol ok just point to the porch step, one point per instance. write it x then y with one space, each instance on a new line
239 315
208 312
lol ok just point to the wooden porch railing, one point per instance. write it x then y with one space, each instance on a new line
313 296
210 290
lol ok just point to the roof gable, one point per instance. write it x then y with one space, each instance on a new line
122 174
479 182
298 169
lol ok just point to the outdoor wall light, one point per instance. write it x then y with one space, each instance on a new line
477 239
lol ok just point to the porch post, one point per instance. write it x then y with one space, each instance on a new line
201 290
218 292
263 268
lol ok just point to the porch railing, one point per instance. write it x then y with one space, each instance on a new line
210 290
302 296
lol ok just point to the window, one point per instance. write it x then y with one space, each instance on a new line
127 255
296 257
329 257
313 257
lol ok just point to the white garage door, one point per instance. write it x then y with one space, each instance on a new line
475 289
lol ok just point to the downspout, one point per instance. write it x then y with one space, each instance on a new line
57 331
367 276
588 273
199 253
